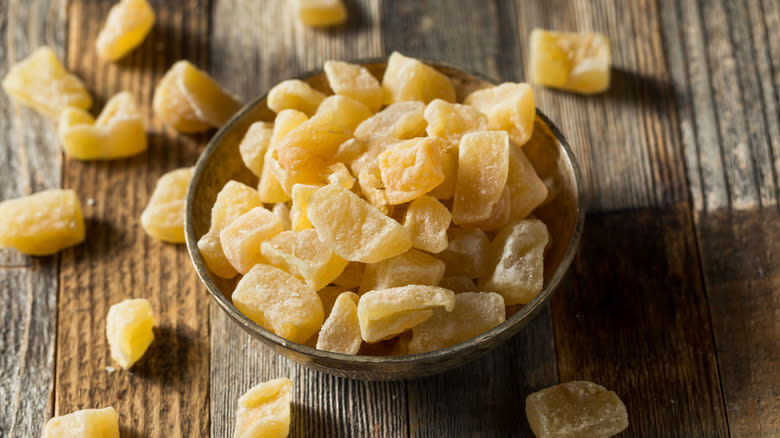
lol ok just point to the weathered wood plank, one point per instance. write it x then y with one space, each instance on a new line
165 393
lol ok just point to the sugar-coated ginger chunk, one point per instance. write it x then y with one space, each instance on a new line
452 120
411 267
163 217
117 133
527 190
338 173
128 23
574 61
355 82
42 83
350 150
517 261
43 223
401 120
578 409
279 302
282 212
427 221
483 166
449 165
500 213
129 329
269 188
303 254
458 284
349 113
294 94
321 13
264 410
254 145
86 423
300 198
474 314
242 238
509 107
410 169
371 187
341 331
352 275
409 79
466 253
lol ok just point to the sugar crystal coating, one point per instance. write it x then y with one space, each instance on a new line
410 168
86 423
509 106
129 331
452 120
483 166
574 61
341 331
427 221
242 238
264 410
127 25
163 217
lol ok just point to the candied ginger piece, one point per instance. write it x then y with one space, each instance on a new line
303 254
163 217
129 329
578 409
352 275
117 133
42 83
341 331
300 198
43 223
474 314
458 284
449 165
294 94
241 239
337 173
573 61
282 212
189 100
427 221
527 190
508 107
411 267
402 120
483 167
128 23
321 13
86 423
452 120
264 410
279 302
269 188
385 313
350 150
254 145
409 79
355 82
410 168
353 228
517 254
370 183
349 112
466 253
500 213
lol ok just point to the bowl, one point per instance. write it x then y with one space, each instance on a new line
562 212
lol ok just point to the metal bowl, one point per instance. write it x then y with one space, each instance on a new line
562 212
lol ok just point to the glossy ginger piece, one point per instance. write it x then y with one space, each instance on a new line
163 217
303 254
509 106
466 253
264 410
254 146
341 331
269 188
242 238
483 167
452 120
127 25
573 61
407 78
401 120
86 423
355 82
427 220
129 329
321 13
294 94
410 169
411 267
527 190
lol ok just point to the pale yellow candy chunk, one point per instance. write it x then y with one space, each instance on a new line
352 275
517 257
321 13
301 253
355 82
117 133
458 284
294 94
328 295
264 410
241 239
411 267
466 253
483 166
500 213
402 120
449 165
527 190
409 79
42 83
410 169
279 302
269 188
163 217
341 331
86 423
282 212
474 314
350 150
574 61
371 187
338 173
254 145
353 228
127 25
349 112
300 198
427 221
509 107
578 409
43 223
452 120
385 313
129 329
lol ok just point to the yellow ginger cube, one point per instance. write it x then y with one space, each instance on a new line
337 173
43 223
269 188
517 258
352 275
449 166
241 239
350 113
86 423
411 267
127 25
527 190
117 133
500 214
264 410
458 284
466 253
452 120
42 83
129 329
302 254
410 169
163 217
508 107
189 100
474 314
353 228
574 61
427 221
402 120
282 212
328 296
409 79
279 302
371 187
341 331
294 94
350 150
300 198
355 82
385 313
483 166
321 13
255 144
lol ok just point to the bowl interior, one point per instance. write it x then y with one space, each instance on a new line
562 212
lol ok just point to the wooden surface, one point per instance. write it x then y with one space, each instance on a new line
673 300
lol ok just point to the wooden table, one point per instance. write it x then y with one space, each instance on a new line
673 300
